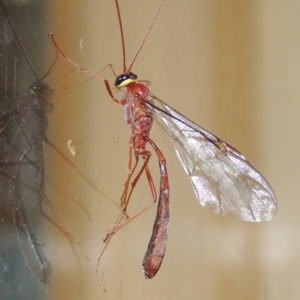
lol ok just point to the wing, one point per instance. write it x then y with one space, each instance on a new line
222 178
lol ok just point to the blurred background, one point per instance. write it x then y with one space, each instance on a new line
233 67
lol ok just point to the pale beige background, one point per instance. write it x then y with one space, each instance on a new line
231 66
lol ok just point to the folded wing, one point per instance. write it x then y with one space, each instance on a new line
222 178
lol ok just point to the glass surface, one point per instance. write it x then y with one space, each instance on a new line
232 67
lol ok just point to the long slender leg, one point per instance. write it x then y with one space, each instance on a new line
44 199
28 161
108 88
118 223
65 158
32 251
130 171
158 242
39 265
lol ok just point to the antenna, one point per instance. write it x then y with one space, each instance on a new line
122 35
127 70
19 43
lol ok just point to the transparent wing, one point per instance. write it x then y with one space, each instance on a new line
222 178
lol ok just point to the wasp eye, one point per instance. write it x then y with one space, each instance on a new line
132 76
